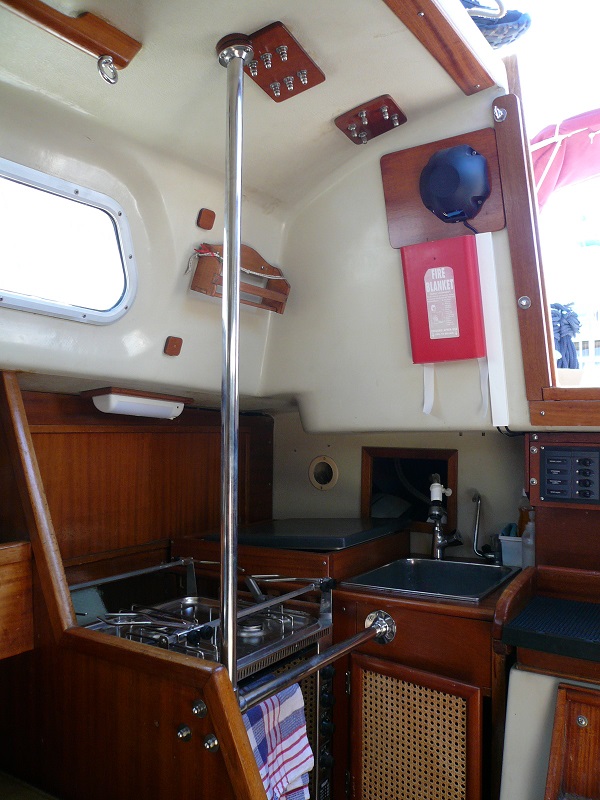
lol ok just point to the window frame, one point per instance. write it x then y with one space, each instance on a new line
60 187
550 405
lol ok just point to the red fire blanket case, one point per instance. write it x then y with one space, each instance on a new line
443 298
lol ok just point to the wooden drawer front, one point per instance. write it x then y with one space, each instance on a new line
16 625
454 646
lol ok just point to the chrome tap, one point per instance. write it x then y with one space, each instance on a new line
437 514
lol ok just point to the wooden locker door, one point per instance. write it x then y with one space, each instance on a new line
415 735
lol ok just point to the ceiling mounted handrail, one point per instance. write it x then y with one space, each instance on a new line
87 32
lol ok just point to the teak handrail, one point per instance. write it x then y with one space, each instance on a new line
35 506
88 32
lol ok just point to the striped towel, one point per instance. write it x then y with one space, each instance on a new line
277 732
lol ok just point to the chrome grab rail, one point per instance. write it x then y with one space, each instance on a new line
379 626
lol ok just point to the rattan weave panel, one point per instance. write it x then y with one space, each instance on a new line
414 741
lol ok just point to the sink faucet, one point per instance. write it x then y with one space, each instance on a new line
436 515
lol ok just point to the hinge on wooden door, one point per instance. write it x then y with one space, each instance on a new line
348 683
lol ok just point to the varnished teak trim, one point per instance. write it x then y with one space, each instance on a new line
519 207
35 506
428 22
87 32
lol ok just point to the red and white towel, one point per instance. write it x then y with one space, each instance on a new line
277 732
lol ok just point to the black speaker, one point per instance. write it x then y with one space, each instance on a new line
454 184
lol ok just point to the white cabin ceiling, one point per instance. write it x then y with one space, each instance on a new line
171 97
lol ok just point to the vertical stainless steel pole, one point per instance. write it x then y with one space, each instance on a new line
233 51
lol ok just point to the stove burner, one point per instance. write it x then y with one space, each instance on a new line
190 625
252 626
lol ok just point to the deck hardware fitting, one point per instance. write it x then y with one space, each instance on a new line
107 69
211 743
200 709
276 88
582 721
253 67
533 481
286 60
184 733
524 302
500 114
384 624
374 117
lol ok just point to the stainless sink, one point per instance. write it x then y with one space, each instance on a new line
456 580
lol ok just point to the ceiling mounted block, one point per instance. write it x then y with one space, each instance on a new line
370 119
281 66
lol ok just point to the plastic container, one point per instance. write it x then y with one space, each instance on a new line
525 510
528 540
512 550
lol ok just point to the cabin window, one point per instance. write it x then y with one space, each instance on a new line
65 250
555 253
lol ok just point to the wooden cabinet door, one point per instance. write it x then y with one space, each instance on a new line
574 768
415 735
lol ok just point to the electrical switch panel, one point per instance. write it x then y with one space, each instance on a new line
570 475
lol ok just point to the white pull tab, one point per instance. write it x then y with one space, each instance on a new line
428 387
483 384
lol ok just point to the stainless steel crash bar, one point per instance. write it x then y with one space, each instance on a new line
180 562
233 51
276 600
381 627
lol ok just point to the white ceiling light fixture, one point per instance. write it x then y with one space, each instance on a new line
124 401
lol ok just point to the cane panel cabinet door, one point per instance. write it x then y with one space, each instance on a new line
415 735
